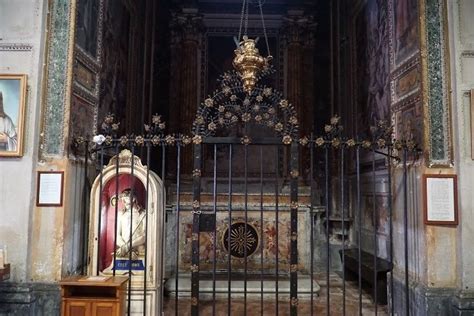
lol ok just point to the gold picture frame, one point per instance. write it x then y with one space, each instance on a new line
472 122
12 114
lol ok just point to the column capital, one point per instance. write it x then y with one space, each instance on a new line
298 27
186 25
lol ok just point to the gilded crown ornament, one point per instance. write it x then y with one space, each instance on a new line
249 63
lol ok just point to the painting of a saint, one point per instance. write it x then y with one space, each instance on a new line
12 103
8 135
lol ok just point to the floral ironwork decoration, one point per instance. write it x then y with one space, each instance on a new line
232 104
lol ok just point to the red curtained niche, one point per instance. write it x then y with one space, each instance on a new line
107 229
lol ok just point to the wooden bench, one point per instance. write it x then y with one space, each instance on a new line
351 266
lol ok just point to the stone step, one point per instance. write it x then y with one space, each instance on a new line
254 287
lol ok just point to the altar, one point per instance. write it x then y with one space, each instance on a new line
257 251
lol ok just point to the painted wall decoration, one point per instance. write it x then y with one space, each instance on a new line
87 26
405 34
83 117
12 112
371 60
269 240
406 71
406 82
408 122
85 76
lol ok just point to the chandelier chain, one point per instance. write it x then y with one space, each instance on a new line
246 17
242 15
260 5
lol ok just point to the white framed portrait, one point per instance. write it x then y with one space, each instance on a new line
12 114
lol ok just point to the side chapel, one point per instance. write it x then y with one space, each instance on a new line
270 157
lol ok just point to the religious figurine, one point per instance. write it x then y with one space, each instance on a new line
134 217
131 236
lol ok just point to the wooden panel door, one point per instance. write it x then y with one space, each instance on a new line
77 308
104 308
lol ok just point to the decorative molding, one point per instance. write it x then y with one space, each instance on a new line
58 77
406 102
405 84
468 53
79 90
436 83
409 64
15 47
125 159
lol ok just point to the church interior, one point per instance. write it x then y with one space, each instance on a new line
236 157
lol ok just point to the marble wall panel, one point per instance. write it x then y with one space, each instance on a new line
268 234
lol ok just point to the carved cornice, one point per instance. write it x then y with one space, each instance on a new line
15 47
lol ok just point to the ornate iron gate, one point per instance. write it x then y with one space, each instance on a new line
248 266
240 239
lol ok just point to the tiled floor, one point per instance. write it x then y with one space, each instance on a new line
254 306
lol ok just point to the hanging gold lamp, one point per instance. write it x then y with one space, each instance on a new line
249 63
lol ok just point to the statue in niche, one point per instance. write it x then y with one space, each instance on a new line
131 234
133 216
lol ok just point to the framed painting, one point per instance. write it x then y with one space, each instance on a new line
440 199
12 112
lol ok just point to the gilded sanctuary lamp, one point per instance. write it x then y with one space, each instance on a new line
249 63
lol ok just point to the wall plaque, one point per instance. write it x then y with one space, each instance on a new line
440 199
50 188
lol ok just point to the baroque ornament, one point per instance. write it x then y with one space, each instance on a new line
243 240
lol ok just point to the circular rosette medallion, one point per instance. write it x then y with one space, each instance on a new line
240 245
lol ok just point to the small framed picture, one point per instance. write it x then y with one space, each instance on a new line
440 199
12 112
50 188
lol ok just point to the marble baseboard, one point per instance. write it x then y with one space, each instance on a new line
29 299
425 301
462 304
237 287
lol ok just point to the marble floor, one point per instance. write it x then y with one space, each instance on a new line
254 306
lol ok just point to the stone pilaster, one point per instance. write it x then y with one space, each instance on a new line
299 36
298 32
186 38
